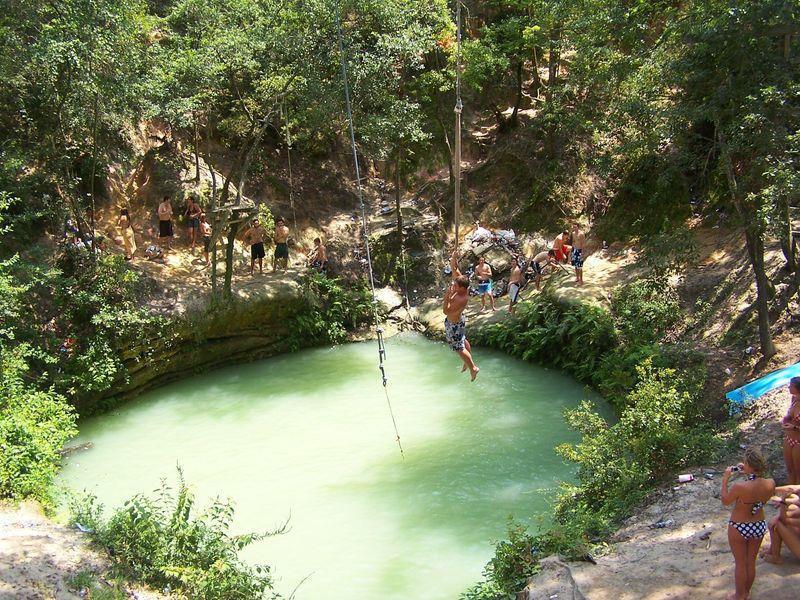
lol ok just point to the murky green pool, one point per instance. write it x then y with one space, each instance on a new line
309 435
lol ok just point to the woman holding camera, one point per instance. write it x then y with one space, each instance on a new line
747 526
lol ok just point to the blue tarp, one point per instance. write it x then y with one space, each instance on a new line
759 387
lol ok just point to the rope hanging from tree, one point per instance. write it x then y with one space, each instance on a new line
458 108
365 227
289 163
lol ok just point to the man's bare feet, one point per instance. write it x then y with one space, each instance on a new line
464 368
473 373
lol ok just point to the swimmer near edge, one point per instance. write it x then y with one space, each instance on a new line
455 325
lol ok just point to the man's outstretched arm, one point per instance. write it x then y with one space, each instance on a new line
454 272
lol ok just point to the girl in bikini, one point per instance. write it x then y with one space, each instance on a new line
791 433
747 526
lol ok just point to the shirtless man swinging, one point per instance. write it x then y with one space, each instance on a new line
455 326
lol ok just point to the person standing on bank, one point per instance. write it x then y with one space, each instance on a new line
281 245
578 241
193 212
514 285
455 325
746 527
128 237
205 231
165 231
484 274
255 237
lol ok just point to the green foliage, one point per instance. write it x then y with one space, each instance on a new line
658 432
333 310
162 542
87 585
34 426
645 311
572 337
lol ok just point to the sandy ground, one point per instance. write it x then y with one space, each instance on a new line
38 558
690 558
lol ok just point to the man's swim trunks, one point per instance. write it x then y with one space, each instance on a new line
577 258
456 334
513 292
257 250
282 250
485 287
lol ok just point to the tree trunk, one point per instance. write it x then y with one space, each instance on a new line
196 151
754 236
397 194
232 231
514 119
212 205
755 250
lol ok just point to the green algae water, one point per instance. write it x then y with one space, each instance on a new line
309 435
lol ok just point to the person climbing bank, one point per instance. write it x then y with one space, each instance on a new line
455 325
746 527
281 245
484 274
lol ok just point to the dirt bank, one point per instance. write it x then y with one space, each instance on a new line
690 558
40 560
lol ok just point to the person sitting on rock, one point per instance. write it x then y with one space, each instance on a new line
746 527
455 325
484 274
784 528
319 256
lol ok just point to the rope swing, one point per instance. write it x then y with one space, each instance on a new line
365 228
289 162
458 108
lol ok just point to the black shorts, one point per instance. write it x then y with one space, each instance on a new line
282 250
165 228
257 250
206 242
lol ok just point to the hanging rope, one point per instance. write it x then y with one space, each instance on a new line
458 108
289 162
365 229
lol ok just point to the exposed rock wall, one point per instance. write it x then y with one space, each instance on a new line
243 331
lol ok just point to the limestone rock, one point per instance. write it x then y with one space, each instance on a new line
553 582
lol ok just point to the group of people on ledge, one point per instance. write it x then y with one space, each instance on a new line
200 230
748 525
566 248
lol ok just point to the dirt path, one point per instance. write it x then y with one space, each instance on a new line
40 559
690 558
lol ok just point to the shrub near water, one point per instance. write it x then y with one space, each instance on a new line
161 542
654 386
34 425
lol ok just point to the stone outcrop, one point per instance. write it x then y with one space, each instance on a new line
243 331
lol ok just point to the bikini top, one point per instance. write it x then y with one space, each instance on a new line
757 506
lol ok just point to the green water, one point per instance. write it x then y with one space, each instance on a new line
309 435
